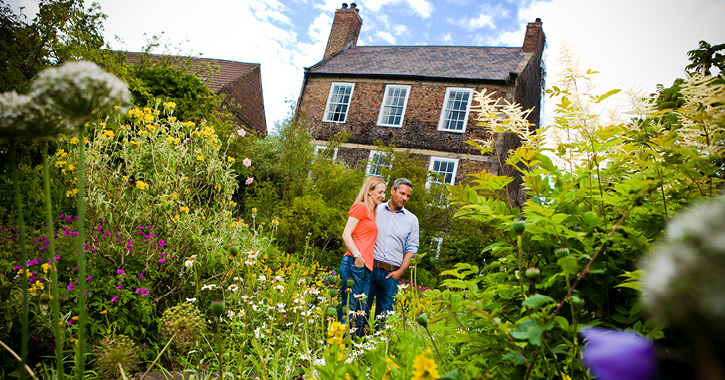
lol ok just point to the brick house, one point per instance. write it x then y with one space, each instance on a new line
417 97
241 83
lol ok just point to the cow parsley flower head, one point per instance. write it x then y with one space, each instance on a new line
80 91
683 279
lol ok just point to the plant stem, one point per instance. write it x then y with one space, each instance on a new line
435 346
519 259
54 268
158 356
23 255
82 312
10 350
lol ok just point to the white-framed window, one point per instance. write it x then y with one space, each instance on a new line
376 163
456 105
392 110
445 168
324 149
338 102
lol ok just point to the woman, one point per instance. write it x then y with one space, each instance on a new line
359 237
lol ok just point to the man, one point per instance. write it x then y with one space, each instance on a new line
396 243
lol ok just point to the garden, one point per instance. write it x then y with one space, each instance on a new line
146 235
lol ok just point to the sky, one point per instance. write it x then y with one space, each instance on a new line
633 44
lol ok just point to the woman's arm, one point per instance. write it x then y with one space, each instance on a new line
350 243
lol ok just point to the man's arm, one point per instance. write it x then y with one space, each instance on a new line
403 267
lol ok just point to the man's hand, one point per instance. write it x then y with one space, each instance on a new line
396 274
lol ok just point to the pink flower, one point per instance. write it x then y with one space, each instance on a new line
145 292
114 298
119 286
241 132
120 271
140 276
247 162
249 181
162 242
89 277
162 260
138 291
70 286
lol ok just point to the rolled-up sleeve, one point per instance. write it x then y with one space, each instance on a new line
411 242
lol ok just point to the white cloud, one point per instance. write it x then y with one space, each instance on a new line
447 38
319 30
422 8
385 36
401 30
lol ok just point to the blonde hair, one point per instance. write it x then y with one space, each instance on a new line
367 186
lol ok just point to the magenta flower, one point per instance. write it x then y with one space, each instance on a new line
138 291
162 242
89 277
120 271
144 292
140 276
618 355
114 298
119 287
162 260
70 286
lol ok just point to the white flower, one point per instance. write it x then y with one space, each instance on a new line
250 262
80 90
279 279
241 313
252 255
262 278
233 287
237 278
190 262
208 287
191 300
402 287
361 295
279 288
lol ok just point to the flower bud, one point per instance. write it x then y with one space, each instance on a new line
422 320
234 250
333 292
218 307
332 279
533 274
561 252
350 282
331 311
519 226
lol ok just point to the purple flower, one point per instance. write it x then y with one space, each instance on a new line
114 298
89 277
162 242
70 286
162 260
144 292
618 355
120 271
140 276
119 287
138 291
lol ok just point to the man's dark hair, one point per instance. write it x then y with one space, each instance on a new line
402 181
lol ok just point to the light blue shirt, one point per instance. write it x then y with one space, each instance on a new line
397 234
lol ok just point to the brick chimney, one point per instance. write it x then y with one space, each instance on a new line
345 29
535 38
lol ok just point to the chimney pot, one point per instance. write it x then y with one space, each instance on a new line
353 5
344 5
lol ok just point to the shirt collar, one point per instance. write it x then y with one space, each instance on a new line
402 210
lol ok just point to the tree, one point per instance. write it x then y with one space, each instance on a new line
61 31
704 58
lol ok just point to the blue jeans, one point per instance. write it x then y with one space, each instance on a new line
383 290
361 276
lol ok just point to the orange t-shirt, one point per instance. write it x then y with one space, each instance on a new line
365 232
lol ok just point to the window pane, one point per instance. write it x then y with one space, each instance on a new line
455 110
393 106
339 102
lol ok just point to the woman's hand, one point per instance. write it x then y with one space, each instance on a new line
359 262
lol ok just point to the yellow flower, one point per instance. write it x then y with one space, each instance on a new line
232 203
184 209
142 133
170 105
45 267
170 140
425 368
175 218
61 153
124 178
60 164
218 187
108 133
74 340
200 157
104 311
136 143
231 159
174 196
150 127
71 193
187 191
142 185
75 318
74 140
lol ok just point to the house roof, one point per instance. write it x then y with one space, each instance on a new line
229 71
453 62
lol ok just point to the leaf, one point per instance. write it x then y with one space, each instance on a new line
569 264
537 300
608 94
562 322
454 374
531 331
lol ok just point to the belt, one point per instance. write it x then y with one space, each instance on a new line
385 266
